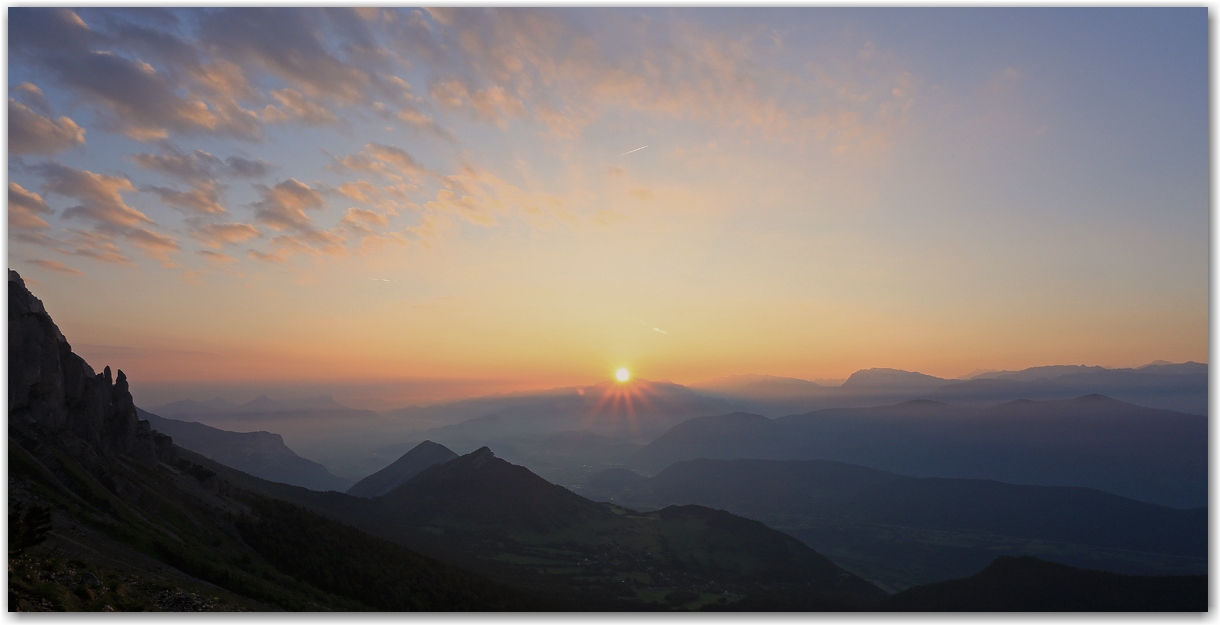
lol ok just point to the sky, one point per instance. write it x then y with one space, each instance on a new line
499 199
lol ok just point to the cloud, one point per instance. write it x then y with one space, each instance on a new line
102 203
31 133
100 195
218 235
199 165
298 108
33 95
292 45
154 244
493 104
363 221
500 64
478 196
360 190
283 206
203 198
276 257
217 257
386 160
244 168
55 265
95 245
136 99
24 208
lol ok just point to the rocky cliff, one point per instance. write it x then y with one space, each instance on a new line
55 396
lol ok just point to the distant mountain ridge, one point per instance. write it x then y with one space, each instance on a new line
1151 455
262 454
420 457
879 521
1181 387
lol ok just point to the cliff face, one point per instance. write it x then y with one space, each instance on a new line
55 396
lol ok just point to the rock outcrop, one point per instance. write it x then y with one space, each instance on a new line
55 396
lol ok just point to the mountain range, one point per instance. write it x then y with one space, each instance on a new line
1181 387
900 531
110 514
262 454
1158 456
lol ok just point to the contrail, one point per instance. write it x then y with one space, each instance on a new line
635 150
381 279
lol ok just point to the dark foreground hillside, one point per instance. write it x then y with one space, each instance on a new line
106 514
1027 584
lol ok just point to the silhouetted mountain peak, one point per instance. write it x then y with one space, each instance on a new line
881 377
481 489
479 457
410 464
262 402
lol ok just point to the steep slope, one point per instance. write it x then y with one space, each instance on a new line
131 508
54 396
1158 456
900 531
406 467
1028 584
258 453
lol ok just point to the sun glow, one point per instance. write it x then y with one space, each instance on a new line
622 375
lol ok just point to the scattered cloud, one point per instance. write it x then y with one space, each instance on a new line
218 235
478 196
199 165
100 195
294 106
31 133
386 160
203 198
96 245
283 206
154 244
55 265
24 208
217 257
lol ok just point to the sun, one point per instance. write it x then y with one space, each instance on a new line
622 375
